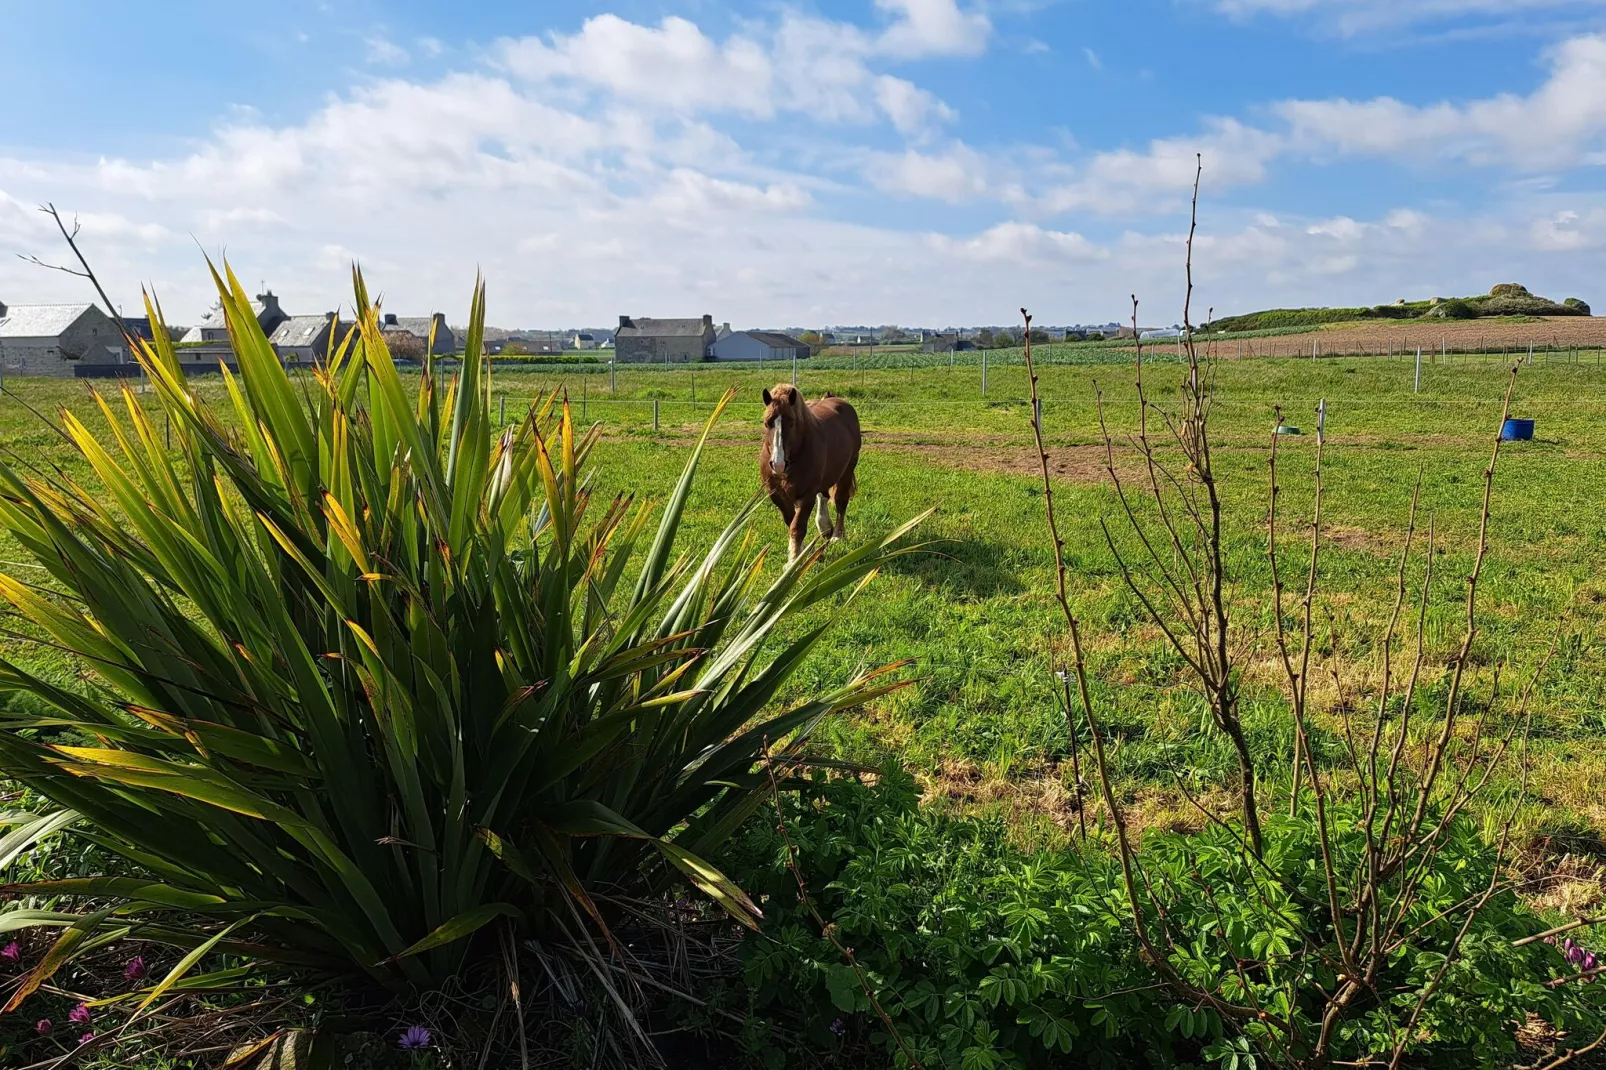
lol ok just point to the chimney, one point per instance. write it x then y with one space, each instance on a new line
390 319
624 321
270 303
2 309
708 322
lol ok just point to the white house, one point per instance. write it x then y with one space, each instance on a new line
757 345
56 340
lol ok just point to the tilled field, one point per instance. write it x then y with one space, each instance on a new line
1382 337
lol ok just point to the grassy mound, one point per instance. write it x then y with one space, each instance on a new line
1505 299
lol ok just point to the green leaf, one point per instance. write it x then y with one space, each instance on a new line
843 984
465 924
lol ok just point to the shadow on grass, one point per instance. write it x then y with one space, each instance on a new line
966 568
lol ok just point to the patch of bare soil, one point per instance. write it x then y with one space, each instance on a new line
1080 464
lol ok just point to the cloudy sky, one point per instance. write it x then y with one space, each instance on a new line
923 162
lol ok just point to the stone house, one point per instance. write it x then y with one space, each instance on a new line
306 339
655 341
419 327
757 345
58 340
215 327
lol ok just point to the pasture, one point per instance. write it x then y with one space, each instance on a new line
983 728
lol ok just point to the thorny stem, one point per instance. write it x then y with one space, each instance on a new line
1079 661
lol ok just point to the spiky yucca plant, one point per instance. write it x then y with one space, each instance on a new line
366 672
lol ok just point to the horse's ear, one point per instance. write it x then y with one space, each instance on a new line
766 395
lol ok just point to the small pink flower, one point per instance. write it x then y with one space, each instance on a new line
86 1038
43 1027
12 952
79 1015
135 969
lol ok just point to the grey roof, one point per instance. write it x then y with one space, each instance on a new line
300 331
39 321
419 325
643 327
776 340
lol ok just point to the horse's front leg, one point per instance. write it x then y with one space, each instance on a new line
823 521
800 527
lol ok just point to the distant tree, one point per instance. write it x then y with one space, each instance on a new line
812 339
515 349
893 333
984 338
1039 336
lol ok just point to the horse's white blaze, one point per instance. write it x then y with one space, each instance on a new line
778 448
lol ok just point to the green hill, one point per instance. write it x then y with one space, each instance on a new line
1506 299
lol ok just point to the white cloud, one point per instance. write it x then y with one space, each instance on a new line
956 174
673 66
1093 59
802 64
933 28
386 53
910 108
1021 244
1558 124
1160 177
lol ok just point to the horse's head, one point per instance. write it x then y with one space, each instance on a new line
783 415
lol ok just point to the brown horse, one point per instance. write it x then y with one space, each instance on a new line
810 452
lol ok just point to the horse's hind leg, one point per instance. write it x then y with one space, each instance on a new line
840 494
823 521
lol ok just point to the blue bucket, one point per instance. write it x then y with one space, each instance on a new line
1515 430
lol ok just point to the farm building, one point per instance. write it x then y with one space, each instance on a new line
304 339
517 345
584 340
419 327
215 328
655 341
57 340
947 343
757 345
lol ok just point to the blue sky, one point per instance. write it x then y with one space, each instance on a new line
912 161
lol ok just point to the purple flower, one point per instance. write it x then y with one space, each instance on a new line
43 1027
12 952
416 1037
86 1038
79 1015
135 969
839 1027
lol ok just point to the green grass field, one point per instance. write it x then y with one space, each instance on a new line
983 727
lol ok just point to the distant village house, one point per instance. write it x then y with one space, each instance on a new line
757 345
306 339
215 327
655 341
58 340
947 343
419 327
